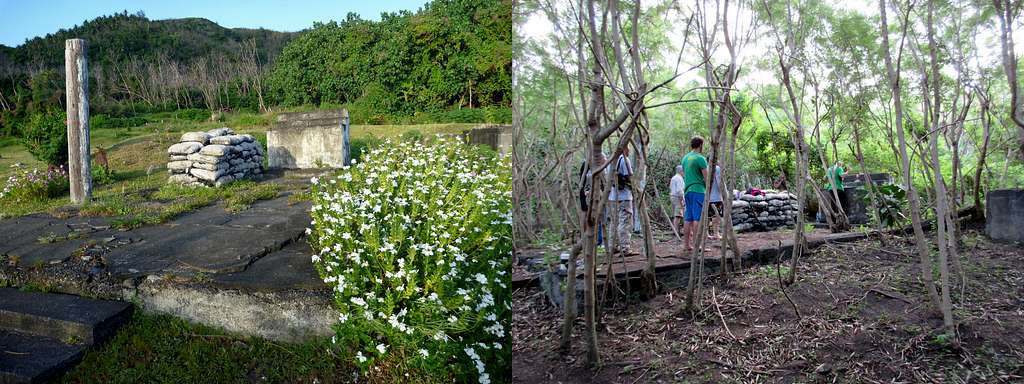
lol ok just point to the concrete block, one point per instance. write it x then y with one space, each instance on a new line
1004 215
306 140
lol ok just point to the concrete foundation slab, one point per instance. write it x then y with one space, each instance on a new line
61 316
285 316
289 268
35 359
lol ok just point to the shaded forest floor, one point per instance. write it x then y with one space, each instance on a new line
864 320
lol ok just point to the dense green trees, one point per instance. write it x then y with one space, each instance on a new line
450 54
450 61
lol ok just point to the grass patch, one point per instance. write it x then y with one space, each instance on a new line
165 349
161 348
137 156
396 131
240 197
51 237
36 287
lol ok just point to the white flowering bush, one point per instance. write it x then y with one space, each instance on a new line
416 241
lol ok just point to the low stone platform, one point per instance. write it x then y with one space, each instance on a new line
248 272
44 334
35 359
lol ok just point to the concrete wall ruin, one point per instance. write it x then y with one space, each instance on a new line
307 140
1004 215
498 137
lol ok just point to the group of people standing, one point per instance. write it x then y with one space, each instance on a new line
687 190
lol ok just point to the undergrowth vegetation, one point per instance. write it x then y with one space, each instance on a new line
415 241
34 185
154 202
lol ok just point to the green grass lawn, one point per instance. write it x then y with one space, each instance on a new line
165 349
137 155
394 131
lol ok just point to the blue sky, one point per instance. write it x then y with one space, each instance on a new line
25 19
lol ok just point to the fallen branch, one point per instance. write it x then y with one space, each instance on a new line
714 300
890 295
782 285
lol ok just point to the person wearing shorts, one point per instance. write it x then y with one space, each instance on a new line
715 207
695 170
676 193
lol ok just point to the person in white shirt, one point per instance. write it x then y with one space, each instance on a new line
716 207
676 194
622 193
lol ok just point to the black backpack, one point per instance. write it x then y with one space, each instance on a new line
623 181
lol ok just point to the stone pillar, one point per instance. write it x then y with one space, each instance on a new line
1004 215
346 150
77 91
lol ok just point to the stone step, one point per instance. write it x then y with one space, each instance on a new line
28 358
60 316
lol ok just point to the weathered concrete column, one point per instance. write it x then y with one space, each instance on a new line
346 150
77 90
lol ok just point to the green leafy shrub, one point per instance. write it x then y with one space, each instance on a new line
892 199
192 114
102 175
363 145
248 120
45 136
412 135
415 242
35 185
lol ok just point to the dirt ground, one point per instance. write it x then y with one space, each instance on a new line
864 318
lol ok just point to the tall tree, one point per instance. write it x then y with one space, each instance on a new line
893 78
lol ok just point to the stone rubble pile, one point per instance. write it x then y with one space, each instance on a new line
216 157
766 212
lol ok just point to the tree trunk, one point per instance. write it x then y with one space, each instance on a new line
915 208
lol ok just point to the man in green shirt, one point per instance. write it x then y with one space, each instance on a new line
835 172
695 172
834 176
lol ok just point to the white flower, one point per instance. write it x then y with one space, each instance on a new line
424 352
381 348
315 180
360 357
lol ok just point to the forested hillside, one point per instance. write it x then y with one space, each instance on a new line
449 61
114 38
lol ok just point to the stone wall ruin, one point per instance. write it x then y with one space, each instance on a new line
767 212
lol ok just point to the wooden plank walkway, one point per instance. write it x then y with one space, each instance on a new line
754 247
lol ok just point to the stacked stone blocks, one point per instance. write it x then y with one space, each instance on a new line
765 212
214 158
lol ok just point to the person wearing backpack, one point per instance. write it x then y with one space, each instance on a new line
622 192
